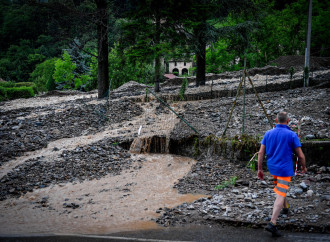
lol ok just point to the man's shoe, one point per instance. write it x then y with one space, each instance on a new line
273 229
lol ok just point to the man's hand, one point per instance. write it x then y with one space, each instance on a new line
302 159
261 155
303 169
260 174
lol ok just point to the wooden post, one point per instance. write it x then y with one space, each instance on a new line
259 100
233 106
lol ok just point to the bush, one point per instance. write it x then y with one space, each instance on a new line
42 75
50 84
64 72
7 84
81 82
27 84
19 92
3 93
19 84
24 84
122 69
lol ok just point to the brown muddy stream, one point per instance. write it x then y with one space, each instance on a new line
126 202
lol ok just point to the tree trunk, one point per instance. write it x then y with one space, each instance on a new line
157 58
200 62
102 45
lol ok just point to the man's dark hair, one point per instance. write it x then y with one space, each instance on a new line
282 117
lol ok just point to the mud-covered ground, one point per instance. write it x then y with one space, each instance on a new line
55 144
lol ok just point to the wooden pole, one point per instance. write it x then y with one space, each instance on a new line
244 77
233 106
259 100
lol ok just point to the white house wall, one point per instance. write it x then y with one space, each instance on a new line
180 66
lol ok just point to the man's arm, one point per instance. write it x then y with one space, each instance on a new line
261 155
301 158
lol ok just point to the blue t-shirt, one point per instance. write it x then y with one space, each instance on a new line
280 143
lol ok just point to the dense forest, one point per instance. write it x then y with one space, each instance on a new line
85 44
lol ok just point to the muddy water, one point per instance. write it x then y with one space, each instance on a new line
126 202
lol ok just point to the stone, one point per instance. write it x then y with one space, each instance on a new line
309 137
303 186
264 183
298 191
235 191
325 197
310 193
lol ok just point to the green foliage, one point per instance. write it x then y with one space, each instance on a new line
19 84
122 69
18 92
27 84
253 162
227 183
3 94
24 84
12 90
246 143
291 71
50 84
92 84
82 81
7 84
18 62
219 59
183 88
42 75
64 71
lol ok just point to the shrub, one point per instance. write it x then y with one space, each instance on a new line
27 84
3 93
64 71
81 82
183 88
50 84
42 75
19 92
24 84
7 84
19 84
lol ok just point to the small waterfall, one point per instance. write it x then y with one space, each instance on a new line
154 144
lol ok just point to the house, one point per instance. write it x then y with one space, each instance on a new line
180 67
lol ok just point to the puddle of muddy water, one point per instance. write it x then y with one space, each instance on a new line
126 202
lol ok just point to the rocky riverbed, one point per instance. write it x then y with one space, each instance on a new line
61 153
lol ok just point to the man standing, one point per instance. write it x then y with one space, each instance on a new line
279 144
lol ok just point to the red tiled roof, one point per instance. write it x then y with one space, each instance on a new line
170 76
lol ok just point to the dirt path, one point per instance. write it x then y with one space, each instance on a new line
111 204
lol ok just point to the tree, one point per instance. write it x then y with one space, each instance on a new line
102 47
146 30
197 21
78 20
